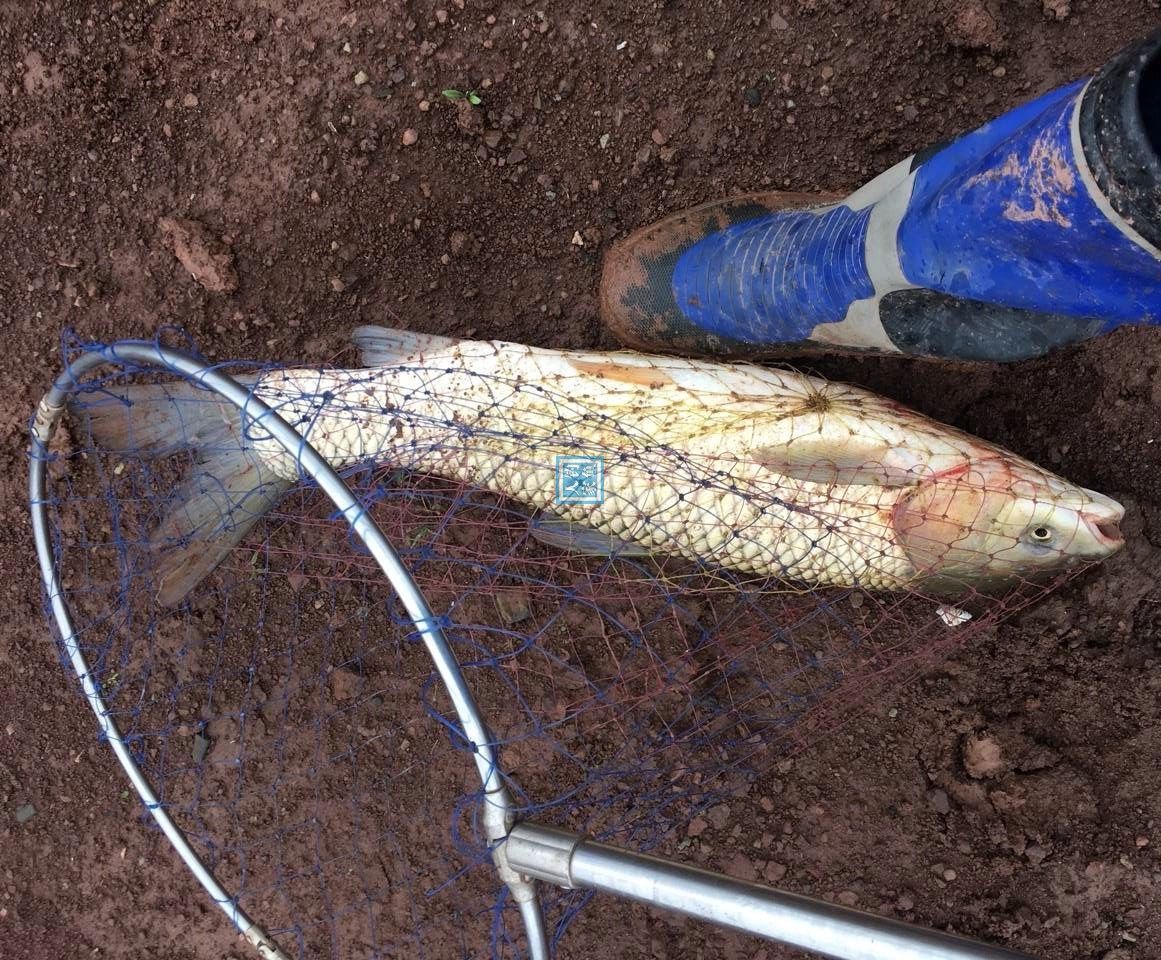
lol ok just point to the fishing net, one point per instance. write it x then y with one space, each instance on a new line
291 723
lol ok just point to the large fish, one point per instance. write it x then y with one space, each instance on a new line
757 470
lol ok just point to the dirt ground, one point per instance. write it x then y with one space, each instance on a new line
311 139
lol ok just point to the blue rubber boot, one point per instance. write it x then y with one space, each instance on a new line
1039 229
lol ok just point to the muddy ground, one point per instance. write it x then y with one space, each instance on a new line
311 141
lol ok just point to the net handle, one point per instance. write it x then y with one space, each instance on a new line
498 808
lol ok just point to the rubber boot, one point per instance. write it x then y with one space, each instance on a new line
1039 229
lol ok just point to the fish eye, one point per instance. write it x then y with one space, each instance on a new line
1041 533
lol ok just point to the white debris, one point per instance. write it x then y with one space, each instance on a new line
953 616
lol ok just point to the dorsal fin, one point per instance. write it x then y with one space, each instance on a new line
634 374
384 346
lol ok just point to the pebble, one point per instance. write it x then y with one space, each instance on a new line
751 96
204 256
949 874
410 136
697 826
361 78
189 100
516 156
1035 853
983 757
826 72
1142 841
742 868
939 801
774 871
345 684
848 898
719 816
25 813
905 902
201 746
1000 72
424 106
658 138
513 606
778 22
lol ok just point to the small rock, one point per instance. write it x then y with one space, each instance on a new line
513 606
658 137
424 106
1000 72
206 258
410 136
848 898
826 72
25 813
201 746
949 874
1142 841
774 871
314 197
697 826
492 138
742 868
719 816
904 903
983 756
337 284
516 156
361 78
910 113
939 802
577 239
345 684
644 154
189 100
778 22
752 96
1056 9
1035 853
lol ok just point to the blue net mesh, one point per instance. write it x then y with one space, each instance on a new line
290 720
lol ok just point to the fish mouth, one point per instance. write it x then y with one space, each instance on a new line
1103 520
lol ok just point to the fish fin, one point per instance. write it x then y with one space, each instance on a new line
857 463
577 538
383 346
227 491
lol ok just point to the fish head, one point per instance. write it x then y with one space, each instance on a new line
991 523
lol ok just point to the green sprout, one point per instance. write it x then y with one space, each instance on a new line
470 95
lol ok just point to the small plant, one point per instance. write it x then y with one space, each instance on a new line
470 95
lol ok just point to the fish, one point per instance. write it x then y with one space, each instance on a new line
760 471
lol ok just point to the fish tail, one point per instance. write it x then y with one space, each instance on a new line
227 490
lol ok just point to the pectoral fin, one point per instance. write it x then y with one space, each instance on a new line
854 461
577 538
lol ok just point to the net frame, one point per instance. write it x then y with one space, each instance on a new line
497 815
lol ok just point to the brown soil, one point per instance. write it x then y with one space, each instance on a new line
1011 794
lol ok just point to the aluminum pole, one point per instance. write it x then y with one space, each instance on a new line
569 860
